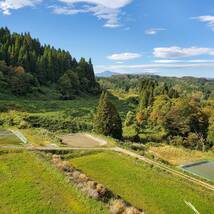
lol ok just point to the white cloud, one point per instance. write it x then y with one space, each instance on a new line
7 5
153 31
166 61
177 52
141 68
206 19
185 61
124 56
103 9
106 3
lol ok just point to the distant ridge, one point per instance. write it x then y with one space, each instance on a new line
106 74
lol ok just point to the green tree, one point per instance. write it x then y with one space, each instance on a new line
107 120
69 84
130 119
210 137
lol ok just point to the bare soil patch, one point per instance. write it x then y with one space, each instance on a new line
83 141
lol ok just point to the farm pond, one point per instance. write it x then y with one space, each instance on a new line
203 169
7 138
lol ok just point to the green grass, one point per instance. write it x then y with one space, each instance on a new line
29 184
144 186
7 138
71 115
39 137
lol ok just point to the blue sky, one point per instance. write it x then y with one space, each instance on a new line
166 37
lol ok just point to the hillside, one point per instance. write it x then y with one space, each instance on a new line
28 67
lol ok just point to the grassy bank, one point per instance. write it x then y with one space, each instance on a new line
143 186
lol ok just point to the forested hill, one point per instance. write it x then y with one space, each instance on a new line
26 66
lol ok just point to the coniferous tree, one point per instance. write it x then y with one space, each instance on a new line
45 64
107 120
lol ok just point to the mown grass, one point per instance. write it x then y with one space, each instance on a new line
179 155
29 184
145 187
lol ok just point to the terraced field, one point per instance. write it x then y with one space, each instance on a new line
7 138
145 186
29 184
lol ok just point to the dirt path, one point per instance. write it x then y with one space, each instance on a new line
83 140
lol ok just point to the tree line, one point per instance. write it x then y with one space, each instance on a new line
162 114
180 120
30 61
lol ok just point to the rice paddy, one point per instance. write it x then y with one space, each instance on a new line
203 169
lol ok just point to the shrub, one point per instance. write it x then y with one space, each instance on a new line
24 125
177 140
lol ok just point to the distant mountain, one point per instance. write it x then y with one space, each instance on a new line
106 74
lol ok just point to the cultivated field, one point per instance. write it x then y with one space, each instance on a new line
54 115
29 184
144 186
203 169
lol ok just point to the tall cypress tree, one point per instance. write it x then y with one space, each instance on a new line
107 120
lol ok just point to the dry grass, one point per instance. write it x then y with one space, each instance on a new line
178 156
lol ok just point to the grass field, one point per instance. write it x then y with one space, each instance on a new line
40 137
145 187
29 184
178 156
7 138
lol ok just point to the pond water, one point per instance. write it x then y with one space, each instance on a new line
7 138
203 169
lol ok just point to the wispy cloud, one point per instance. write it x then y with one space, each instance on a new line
178 52
124 56
153 31
109 11
206 19
185 61
142 68
7 5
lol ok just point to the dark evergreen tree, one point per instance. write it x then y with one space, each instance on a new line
46 64
107 120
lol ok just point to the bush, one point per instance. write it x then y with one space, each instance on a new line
130 133
138 147
24 125
177 140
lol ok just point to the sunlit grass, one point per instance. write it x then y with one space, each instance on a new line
28 184
144 186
